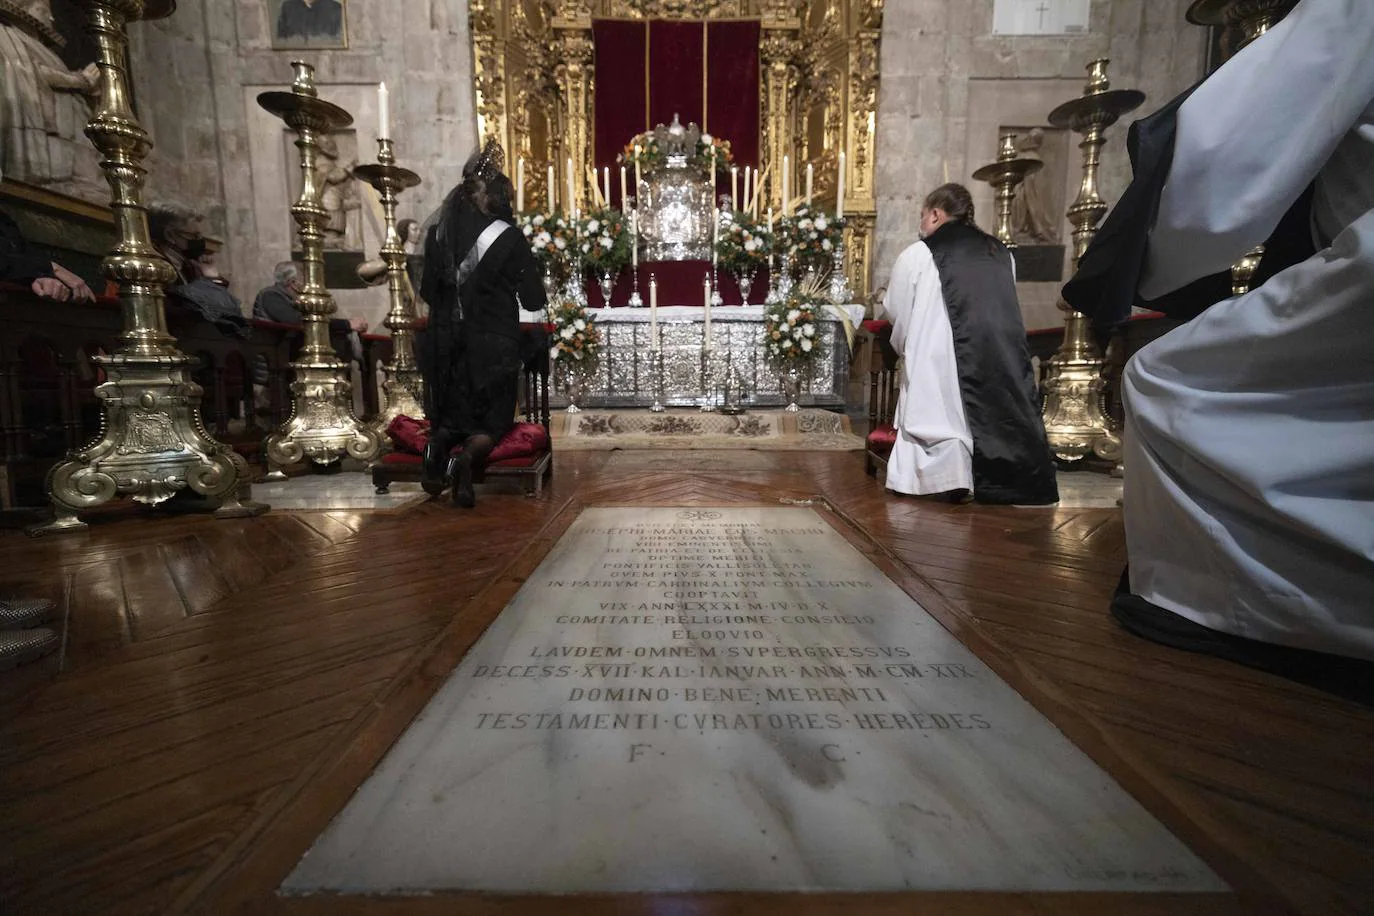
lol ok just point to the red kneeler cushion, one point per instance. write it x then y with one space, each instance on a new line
517 448
525 440
409 434
881 440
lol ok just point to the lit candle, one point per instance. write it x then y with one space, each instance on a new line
839 189
734 187
383 112
552 187
624 198
571 202
653 312
786 168
520 185
606 184
706 304
809 174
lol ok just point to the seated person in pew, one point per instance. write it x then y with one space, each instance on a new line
20 263
967 421
1249 440
478 270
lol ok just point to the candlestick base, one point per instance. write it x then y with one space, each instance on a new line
656 367
708 400
636 301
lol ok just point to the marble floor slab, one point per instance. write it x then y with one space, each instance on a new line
344 490
1087 490
732 699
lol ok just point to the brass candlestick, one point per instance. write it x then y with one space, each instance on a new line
153 442
403 389
322 424
1005 175
1253 18
1075 420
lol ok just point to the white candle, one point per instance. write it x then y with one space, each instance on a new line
770 220
552 187
839 189
748 198
734 187
638 179
383 112
786 167
706 303
809 174
624 199
634 239
606 184
572 194
653 312
520 185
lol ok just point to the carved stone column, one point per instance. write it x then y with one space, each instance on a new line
575 75
1075 421
403 390
860 140
322 425
153 443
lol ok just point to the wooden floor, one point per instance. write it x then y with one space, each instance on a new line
226 684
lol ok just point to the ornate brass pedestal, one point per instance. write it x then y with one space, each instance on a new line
322 425
1004 175
1253 18
152 443
1075 421
403 390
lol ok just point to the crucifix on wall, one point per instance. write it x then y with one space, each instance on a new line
1039 17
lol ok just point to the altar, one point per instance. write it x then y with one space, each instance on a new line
625 376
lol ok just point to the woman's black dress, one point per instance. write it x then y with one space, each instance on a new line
472 354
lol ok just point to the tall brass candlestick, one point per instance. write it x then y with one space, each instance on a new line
1254 18
322 425
153 442
403 388
1075 420
1005 175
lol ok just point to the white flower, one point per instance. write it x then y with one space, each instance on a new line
821 223
793 315
539 220
560 244
706 138
826 245
806 346
786 344
586 247
594 225
580 324
806 224
606 242
809 330
566 333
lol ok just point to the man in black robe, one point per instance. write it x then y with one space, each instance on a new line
967 418
307 19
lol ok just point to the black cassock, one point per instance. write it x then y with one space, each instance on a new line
1012 463
473 350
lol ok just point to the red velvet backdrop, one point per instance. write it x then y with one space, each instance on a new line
674 52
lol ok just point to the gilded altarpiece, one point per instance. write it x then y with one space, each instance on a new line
536 88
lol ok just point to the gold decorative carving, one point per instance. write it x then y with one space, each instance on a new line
152 442
322 426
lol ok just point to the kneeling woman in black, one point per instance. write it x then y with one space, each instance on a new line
478 272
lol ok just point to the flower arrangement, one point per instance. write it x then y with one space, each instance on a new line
575 336
651 155
603 237
551 238
744 244
809 238
790 328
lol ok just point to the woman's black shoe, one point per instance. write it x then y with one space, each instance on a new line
460 471
432 477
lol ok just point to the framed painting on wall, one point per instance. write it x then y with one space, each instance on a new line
308 24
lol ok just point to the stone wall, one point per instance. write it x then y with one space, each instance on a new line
197 77
948 84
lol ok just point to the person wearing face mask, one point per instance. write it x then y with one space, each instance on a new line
968 425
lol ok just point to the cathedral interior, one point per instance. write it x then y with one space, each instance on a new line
255 656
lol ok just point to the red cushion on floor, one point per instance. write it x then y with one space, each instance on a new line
409 434
881 440
524 440
877 326
401 459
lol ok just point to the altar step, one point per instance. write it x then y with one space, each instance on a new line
684 428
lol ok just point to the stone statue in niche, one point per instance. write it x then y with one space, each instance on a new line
339 196
1035 216
44 106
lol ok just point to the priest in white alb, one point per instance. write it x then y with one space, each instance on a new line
967 424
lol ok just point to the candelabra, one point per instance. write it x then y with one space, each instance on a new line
153 443
840 291
1253 18
322 425
780 283
1075 421
1005 175
403 389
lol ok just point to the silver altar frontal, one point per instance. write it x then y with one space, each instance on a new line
627 375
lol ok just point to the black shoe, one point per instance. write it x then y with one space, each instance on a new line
460 471
432 476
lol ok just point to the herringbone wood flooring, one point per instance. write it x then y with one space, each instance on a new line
229 683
